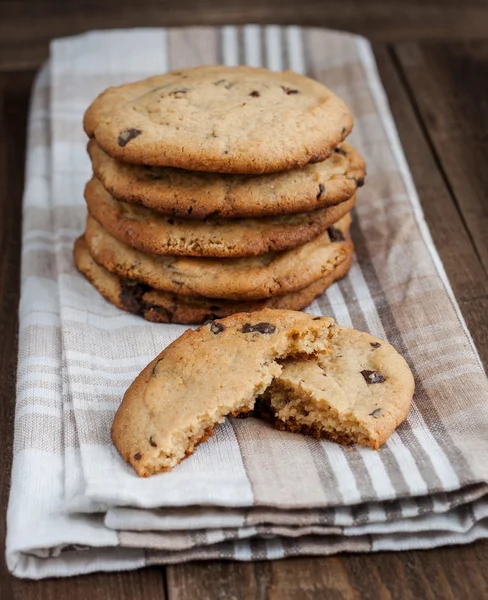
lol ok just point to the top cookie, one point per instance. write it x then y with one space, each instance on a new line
220 119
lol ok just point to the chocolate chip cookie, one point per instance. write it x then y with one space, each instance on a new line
250 278
316 376
202 377
220 119
165 307
358 393
152 232
197 195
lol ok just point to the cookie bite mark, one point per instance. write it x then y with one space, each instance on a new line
126 136
326 397
179 405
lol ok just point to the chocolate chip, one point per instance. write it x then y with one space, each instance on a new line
343 131
316 318
126 136
339 151
215 328
321 190
170 222
374 344
137 456
258 328
335 235
360 182
372 377
178 93
255 94
289 91
152 442
131 294
190 210
376 413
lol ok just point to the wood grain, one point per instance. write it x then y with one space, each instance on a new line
445 574
14 98
455 118
443 211
26 26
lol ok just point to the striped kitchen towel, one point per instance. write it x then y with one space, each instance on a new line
251 492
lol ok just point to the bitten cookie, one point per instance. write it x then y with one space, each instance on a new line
308 373
251 278
197 195
165 307
220 119
174 404
358 392
155 233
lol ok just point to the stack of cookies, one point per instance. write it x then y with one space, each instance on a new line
218 190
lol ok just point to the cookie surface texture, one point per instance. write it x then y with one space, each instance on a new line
220 119
165 307
196 195
250 278
205 375
359 392
152 232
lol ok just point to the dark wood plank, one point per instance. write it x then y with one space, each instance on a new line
445 574
384 575
449 83
458 253
14 94
135 585
128 585
26 26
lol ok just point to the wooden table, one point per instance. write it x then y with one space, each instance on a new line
433 59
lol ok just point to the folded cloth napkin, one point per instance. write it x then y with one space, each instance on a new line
251 492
